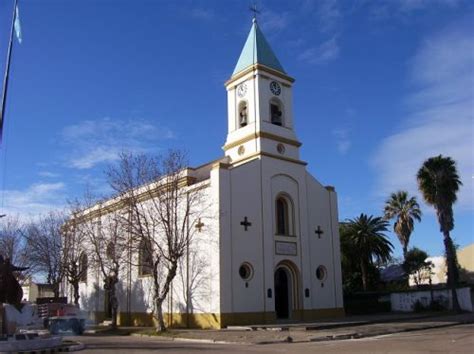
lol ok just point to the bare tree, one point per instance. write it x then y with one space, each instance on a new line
109 247
44 247
72 252
12 246
163 210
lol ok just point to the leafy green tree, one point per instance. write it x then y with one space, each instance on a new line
416 265
438 181
405 210
365 235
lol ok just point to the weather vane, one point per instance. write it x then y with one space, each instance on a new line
255 11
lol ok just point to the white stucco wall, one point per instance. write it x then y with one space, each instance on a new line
405 301
251 189
135 291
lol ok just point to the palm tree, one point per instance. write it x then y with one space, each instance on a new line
405 210
367 235
438 181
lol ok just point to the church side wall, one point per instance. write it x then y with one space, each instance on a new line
325 250
336 251
198 271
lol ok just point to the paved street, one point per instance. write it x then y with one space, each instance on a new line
457 339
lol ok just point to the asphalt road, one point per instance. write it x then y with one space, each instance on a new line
456 339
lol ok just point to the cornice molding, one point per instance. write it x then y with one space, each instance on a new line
261 135
256 67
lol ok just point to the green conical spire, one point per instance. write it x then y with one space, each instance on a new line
257 51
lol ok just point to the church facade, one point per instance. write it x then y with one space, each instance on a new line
271 252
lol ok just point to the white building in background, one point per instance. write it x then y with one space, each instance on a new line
439 270
33 291
272 250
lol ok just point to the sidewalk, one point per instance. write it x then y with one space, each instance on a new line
345 328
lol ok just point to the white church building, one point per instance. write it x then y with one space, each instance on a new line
272 252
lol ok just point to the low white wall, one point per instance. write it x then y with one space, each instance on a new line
405 301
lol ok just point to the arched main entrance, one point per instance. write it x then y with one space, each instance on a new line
286 290
282 293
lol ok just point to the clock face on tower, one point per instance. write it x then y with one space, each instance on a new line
242 90
275 88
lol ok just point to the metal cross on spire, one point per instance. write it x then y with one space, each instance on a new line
255 11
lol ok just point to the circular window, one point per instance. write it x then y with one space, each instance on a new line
321 273
246 271
281 148
241 150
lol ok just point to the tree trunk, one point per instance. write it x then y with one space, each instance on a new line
363 269
159 297
114 305
161 327
405 250
451 262
113 302
56 290
75 286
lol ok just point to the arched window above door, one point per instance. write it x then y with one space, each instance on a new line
284 215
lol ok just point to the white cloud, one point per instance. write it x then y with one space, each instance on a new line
95 156
99 141
329 15
412 5
39 198
382 9
202 14
343 142
324 53
272 21
440 118
48 174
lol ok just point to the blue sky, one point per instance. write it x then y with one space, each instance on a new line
380 86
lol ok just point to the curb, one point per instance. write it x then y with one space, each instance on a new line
369 322
77 347
316 326
356 335
209 341
346 336
289 340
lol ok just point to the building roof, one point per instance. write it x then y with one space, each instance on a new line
393 272
257 51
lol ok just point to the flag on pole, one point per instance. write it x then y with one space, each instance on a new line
17 25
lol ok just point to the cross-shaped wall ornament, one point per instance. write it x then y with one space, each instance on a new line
199 225
245 223
318 231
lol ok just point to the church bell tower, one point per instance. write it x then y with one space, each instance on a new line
259 100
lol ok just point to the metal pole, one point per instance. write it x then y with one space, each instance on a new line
7 71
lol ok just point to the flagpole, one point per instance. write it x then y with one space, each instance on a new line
7 72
